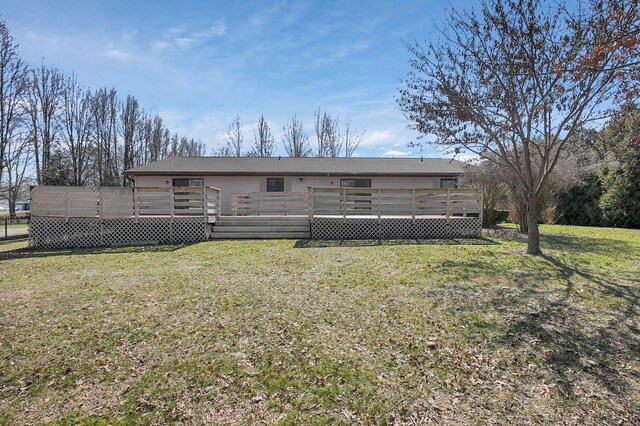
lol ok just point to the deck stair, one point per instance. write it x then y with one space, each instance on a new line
249 227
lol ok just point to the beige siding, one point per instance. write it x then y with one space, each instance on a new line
231 184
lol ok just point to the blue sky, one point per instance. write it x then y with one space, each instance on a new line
199 63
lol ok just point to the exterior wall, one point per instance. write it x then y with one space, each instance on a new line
231 184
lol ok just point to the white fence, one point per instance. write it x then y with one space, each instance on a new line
189 201
413 203
64 217
367 213
122 203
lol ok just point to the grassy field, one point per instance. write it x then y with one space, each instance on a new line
242 332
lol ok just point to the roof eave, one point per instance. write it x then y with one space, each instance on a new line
276 173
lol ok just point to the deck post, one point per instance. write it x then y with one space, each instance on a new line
379 206
218 202
448 203
344 204
172 202
259 203
234 204
310 204
136 207
66 206
481 212
413 204
205 205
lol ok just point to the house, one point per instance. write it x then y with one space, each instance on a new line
179 200
255 175
21 205
334 198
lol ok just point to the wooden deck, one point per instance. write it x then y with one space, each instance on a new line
323 213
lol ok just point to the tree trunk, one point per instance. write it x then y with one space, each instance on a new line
533 234
12 207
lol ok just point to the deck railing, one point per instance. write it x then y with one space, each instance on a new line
177 201
269 203
121 203
353 202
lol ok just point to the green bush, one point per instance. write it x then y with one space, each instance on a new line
580 206
620 203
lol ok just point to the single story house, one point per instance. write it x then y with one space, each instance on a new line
285 174
188 199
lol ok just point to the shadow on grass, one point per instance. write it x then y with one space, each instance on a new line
379 242
577 340
29 253
568 243
577 244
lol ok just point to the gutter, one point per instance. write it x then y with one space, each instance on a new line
277 173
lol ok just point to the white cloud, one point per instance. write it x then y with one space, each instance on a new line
159 45
175 30
378 137
343 51
217 30
468 157
394 153
185 42
180 38
117 54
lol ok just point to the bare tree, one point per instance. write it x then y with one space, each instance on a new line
104 108
489 178
143 140
13 77
295 139
18 157
223 151
74 136
264 143
327 134
184 147
191 148
157 146
76 122
351 139
234 139
44 102
175 141
518 81
130 120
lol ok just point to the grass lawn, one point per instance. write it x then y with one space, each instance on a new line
14 226
245 332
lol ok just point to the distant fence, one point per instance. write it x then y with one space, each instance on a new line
14 227
63 217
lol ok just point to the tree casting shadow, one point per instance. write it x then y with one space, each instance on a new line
573 342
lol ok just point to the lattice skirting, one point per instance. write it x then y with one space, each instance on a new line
389 229
52 232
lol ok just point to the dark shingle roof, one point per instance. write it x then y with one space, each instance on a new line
300 166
